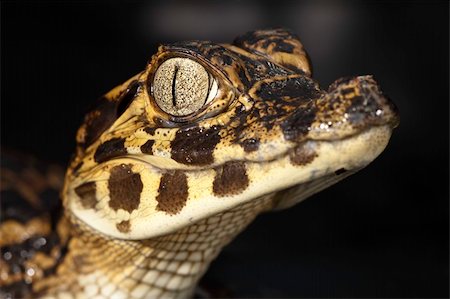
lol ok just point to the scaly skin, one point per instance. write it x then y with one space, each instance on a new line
174 163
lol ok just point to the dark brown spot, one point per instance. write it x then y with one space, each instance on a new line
243 77
231 179
98 120
172 192
127 97
150 130
290 100
250 145
303 154
77 167
195 145
124 226
125 188
298 89
110 149
225 58
146 148
105 112
79 260
282 46
298 124
347 91
86 192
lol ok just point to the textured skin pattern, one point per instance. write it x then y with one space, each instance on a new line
166 266
150 198
32 243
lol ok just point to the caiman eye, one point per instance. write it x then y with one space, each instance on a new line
182 86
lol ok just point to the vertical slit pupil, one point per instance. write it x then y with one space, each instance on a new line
174 80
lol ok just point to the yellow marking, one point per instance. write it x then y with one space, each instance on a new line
150 181
164 134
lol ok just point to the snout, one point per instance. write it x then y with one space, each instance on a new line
351 106
364 102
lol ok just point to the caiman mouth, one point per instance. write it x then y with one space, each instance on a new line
213 190
299 154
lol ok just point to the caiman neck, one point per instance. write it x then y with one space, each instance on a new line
168 266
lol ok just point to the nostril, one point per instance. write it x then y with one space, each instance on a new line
340 171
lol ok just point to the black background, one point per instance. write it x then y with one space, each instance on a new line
382 233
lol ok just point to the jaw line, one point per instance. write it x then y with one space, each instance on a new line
267 179
141 158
